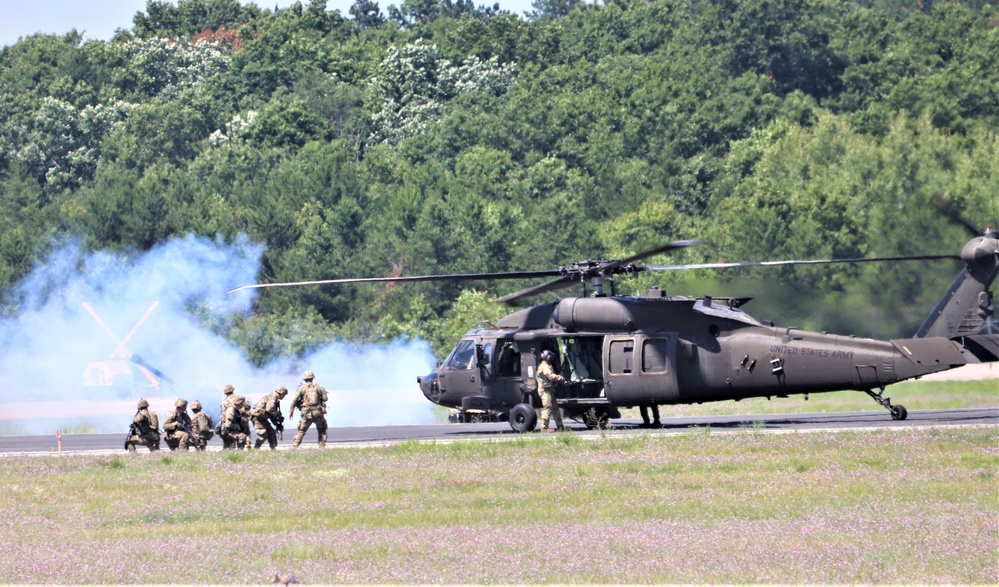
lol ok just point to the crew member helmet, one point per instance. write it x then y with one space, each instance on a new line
547 356
228 389
143 404
181 402
309 376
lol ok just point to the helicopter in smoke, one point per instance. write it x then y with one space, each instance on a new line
628 351
122 369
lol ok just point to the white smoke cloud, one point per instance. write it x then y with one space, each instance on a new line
59 343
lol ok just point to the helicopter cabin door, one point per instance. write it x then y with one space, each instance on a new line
641 368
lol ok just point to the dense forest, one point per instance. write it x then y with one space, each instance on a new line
443 137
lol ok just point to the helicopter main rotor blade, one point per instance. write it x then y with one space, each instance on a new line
794 262
553 285
950 211
611 265
411 278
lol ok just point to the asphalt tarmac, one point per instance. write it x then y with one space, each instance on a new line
373 435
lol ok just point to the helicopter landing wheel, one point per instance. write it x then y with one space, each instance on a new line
897 412
523 418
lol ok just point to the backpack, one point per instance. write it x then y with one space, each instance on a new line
258 409
154 421
311 396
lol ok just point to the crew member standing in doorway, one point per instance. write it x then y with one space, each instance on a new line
547 378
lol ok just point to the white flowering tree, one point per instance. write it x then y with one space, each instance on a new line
224 137
64 142
415 82
165 67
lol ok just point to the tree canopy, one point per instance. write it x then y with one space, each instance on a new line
449 137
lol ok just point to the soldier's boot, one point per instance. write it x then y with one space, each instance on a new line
544 426
322 441
298 439
258 443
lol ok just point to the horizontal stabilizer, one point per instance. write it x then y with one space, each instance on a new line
928 355
984 347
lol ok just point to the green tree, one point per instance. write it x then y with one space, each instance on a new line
551 9
185 18
367 14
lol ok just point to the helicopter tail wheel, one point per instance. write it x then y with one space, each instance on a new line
523 418
897 412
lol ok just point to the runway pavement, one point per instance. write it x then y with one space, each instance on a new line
370 435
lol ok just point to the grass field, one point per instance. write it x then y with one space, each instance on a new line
899 505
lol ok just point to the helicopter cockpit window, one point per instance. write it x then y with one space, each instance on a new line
461 359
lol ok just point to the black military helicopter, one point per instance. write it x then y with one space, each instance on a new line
627 351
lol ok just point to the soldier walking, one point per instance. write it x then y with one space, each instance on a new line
201 427
144 429
234 429
547 377
178 427
266 411
228 390
311 400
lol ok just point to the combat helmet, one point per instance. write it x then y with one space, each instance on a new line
238 400
281 390
143 404
228 389
195 406
181 402
309 376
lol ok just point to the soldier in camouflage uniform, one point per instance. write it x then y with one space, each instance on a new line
547 378
228 390
178 427
201 427
267 410
311 400
234 429
144 430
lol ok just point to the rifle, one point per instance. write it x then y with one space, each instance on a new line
191 438
131 432
279 426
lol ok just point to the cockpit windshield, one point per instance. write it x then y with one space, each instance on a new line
461 357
